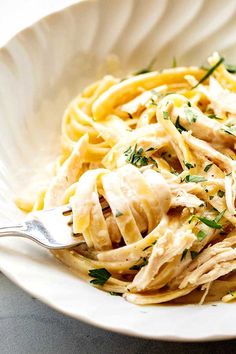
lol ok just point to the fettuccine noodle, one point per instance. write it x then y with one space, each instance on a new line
148 167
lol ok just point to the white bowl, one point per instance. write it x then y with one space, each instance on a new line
44 67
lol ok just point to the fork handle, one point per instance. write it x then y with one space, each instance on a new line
15 230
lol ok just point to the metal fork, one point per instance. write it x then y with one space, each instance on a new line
50 228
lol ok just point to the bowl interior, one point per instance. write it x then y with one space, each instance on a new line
41 70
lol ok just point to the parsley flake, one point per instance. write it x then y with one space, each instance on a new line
189 165
130 115
231 292
136 157
139 266
196 179
211 223
230 68
100 275
147 69
142 71
191 218
114 293
153 102
213 116
201 235
209 72
174 62
184 254
194 254
146 248
166 115
190 115
207 168
118 213
176 173
153 161
220 193
219 216
229 130
179 127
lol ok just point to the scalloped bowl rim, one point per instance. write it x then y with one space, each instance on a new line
88 319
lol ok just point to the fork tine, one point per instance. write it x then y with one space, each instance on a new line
66 210
51 228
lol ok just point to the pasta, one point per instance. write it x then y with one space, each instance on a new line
148 166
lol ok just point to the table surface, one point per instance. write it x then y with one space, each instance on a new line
28 326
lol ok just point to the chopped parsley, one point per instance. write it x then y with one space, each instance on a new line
146 248
194 254
230 68
114 293
137 158
179 127
150 149
211 197
214 209
118 213
130 115
229 130
190 115
213 116
153 102
151 159
174 62
166 115
214 224
191 218
201 235
196 179
142 71
207 168
140 265
184 254
219 216
220 193
211 223
100 275
231 292
189 104
189 165
209 72
147 69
